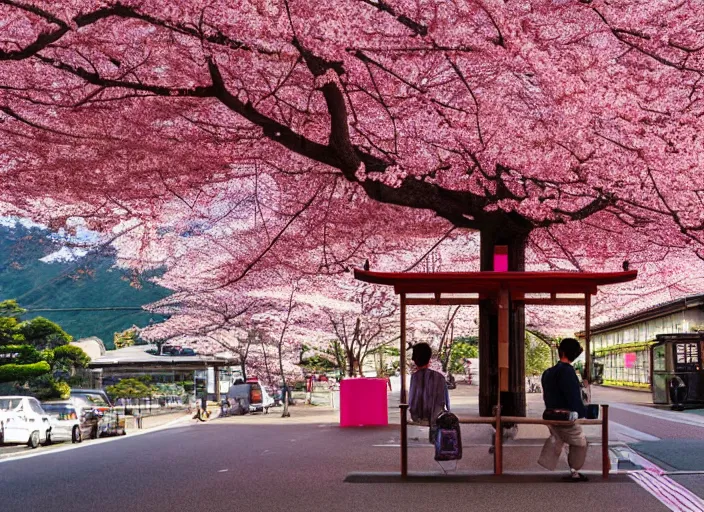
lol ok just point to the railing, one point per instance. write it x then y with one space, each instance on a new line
497 420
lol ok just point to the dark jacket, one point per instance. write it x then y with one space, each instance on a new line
561 389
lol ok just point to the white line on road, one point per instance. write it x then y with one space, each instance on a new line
94 442
635 435
654 479
650 412
223 470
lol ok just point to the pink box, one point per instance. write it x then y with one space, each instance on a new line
363 402
500 259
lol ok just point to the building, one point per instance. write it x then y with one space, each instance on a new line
621 348
140 360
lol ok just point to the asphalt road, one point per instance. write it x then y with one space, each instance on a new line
232 465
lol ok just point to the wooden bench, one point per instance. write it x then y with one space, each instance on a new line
498 420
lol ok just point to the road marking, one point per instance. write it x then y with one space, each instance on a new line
650 412
131 434
223 470
654 479
631 432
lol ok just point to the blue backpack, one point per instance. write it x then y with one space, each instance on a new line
448 440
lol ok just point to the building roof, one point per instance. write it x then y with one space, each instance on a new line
691 337
93 346
492 282
657 311
137 355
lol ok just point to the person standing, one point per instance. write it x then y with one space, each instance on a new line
428 395
563 399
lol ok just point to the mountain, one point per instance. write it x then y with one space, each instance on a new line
69 278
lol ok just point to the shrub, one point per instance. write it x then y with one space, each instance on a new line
23 372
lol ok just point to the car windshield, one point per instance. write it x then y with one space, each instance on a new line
92 399
60 412
10 404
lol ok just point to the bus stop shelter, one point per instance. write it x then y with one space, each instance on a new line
505 288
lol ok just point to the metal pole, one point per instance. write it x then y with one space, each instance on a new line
587 336
605 461
404 395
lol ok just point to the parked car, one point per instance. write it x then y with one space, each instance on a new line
22 420
259 399
72 421
170 350
94 398
112 423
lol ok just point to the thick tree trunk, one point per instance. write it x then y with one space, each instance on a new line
513 401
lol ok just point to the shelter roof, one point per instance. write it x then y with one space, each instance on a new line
138 355
492 282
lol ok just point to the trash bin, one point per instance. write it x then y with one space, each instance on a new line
363 402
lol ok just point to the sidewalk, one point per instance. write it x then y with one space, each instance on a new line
155 421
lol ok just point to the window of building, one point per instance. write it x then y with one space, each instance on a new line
686 357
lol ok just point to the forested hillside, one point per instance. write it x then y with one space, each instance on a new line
90 281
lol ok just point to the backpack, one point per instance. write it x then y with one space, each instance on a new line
448 440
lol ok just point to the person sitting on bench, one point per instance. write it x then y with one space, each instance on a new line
428 395
563 401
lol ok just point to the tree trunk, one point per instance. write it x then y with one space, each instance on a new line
266 363
513 401
285 413
351 367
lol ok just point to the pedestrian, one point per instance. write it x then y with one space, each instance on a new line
428 395
563 401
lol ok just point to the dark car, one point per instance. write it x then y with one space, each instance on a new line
96 398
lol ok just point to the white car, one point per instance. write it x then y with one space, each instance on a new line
22 420
70 422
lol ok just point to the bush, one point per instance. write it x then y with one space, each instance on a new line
51 389
23 372
75 356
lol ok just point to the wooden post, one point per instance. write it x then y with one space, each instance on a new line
216 386
605 461
587 336
498 440
503 340
404 394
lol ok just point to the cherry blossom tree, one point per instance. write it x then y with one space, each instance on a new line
368 323
568 126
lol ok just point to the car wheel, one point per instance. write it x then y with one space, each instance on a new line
76 436
33 439
94 432
2 433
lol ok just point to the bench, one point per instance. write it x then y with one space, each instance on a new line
497 420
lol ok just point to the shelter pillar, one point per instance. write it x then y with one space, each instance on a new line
513 401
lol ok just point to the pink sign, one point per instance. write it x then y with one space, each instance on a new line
363 402
629 360
500 258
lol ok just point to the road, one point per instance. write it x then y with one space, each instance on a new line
301 463
229 465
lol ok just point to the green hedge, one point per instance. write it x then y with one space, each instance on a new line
640 385
23 372
624 347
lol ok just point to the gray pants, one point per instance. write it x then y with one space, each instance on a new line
571 435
